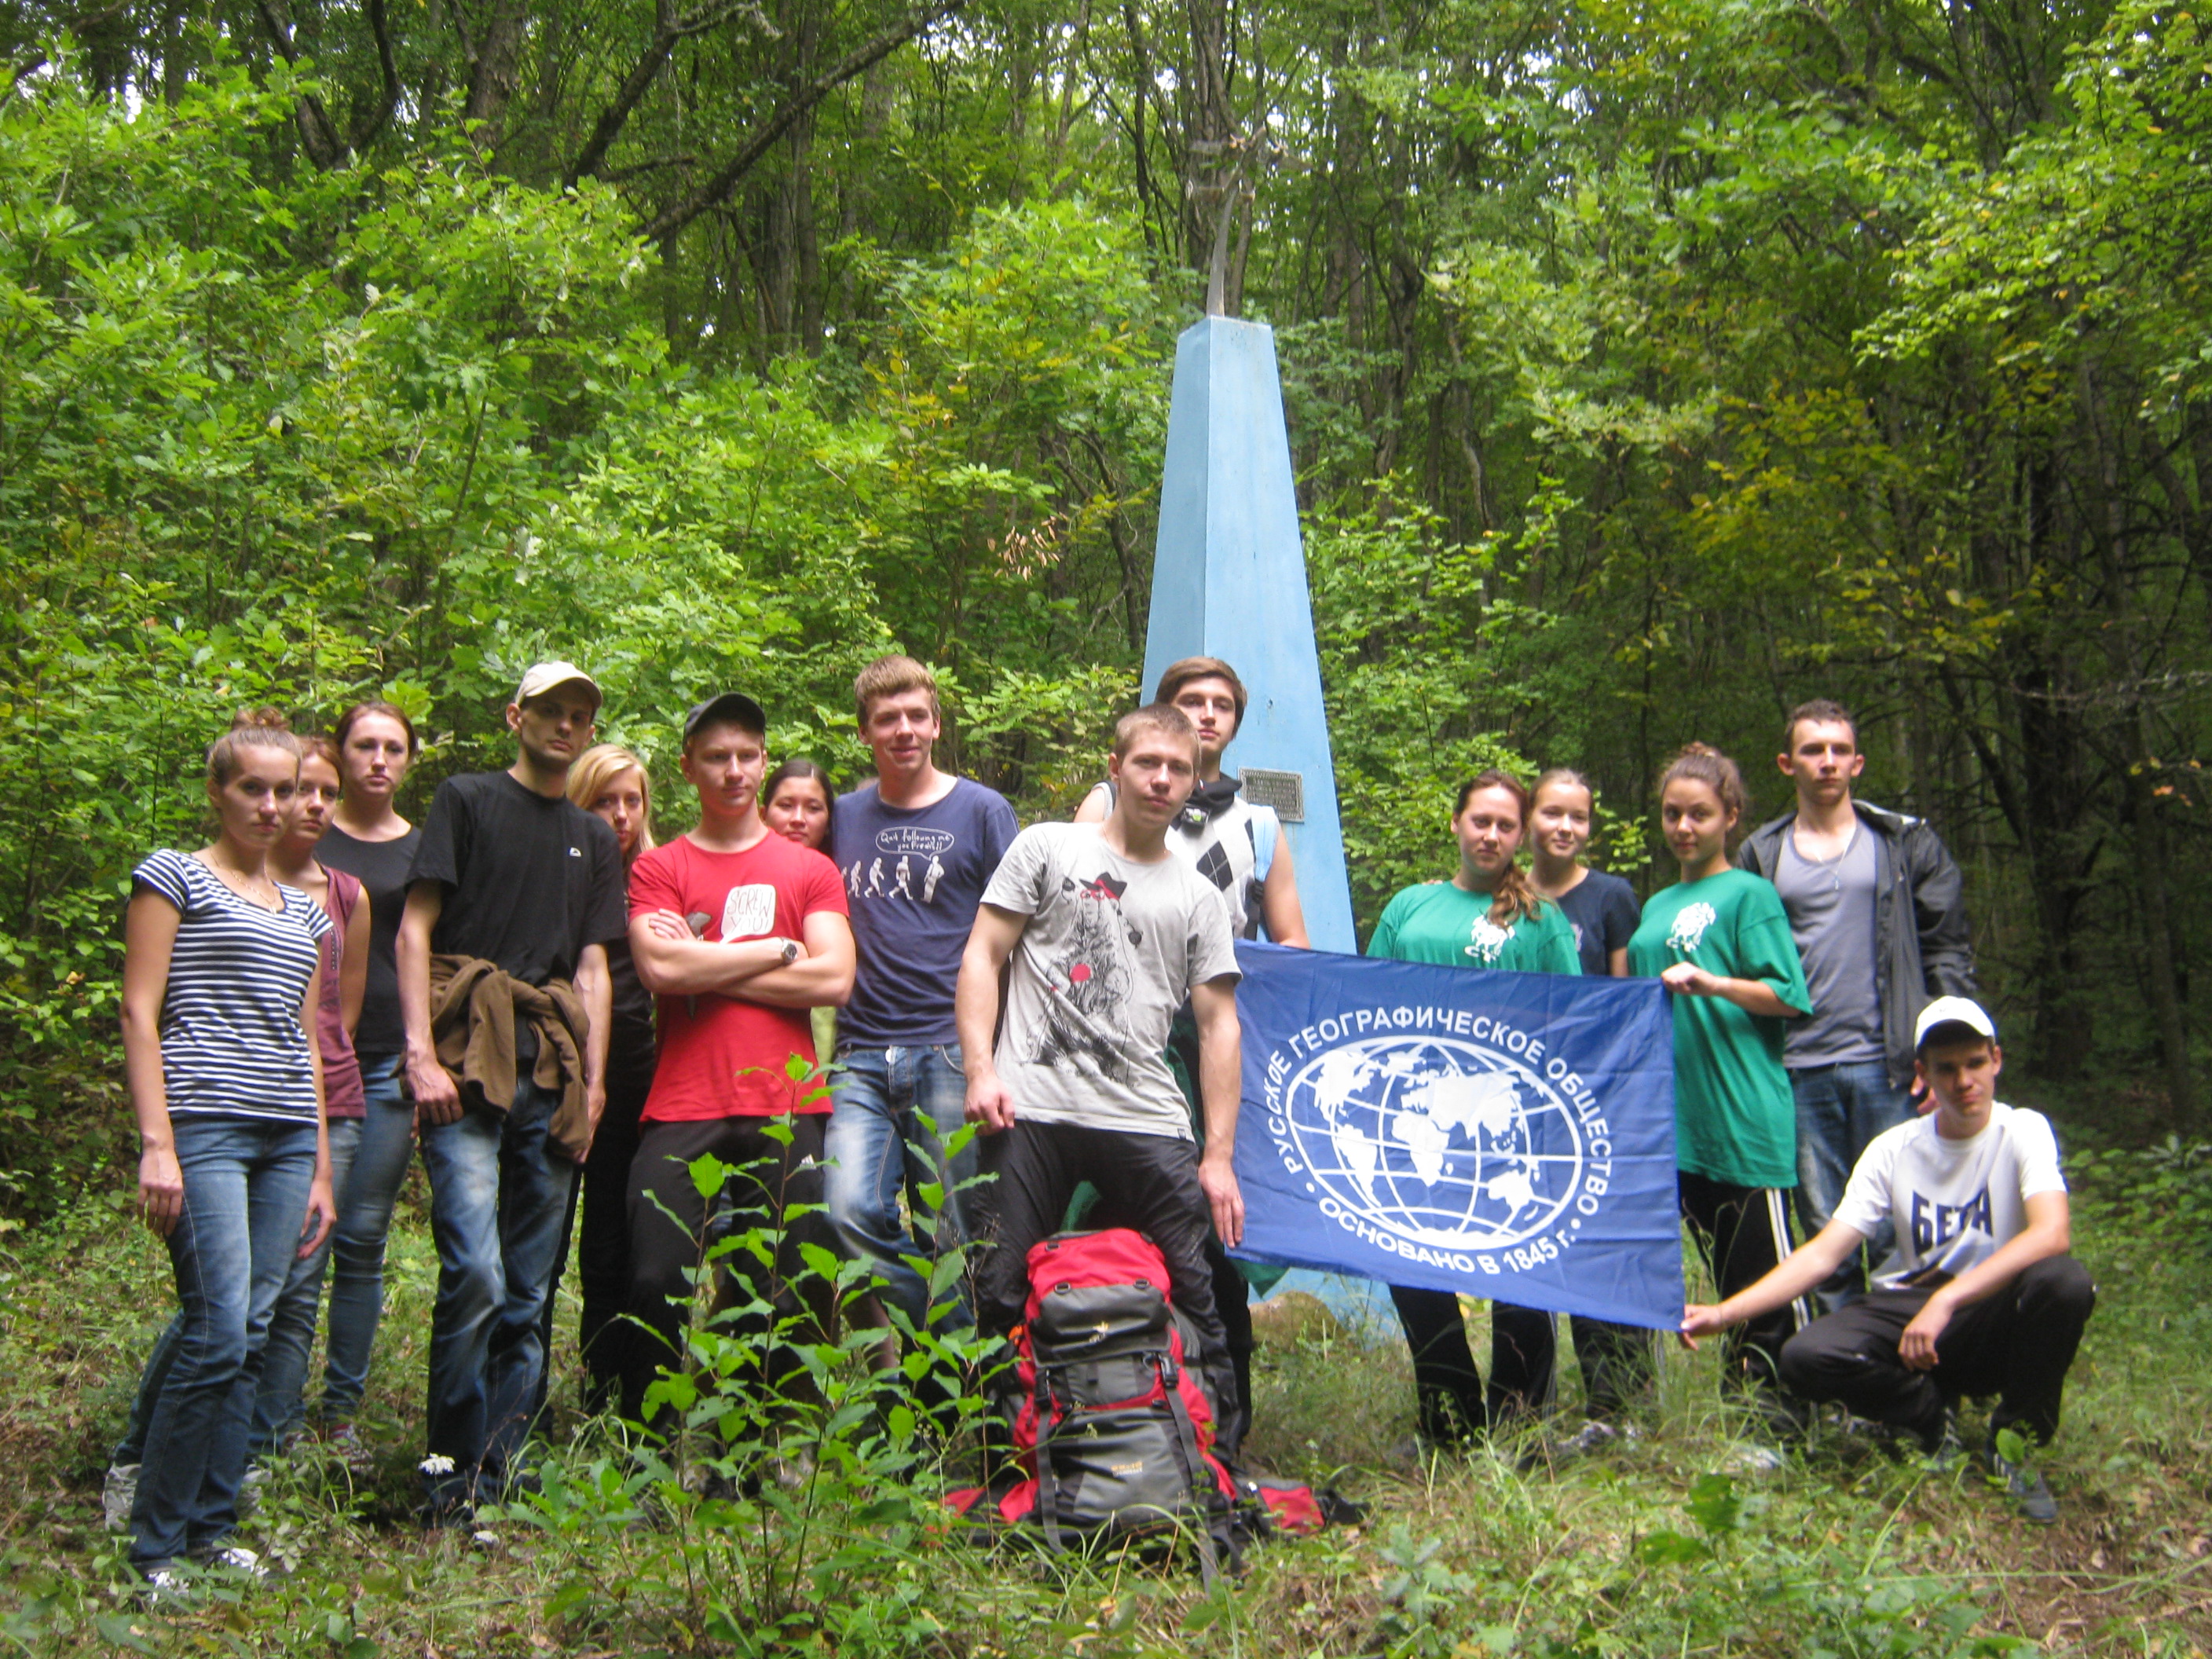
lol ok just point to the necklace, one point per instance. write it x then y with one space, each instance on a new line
1832 868
244 883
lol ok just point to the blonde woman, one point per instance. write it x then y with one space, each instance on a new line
611 782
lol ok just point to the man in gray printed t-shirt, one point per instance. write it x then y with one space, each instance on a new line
1874 906
1106 933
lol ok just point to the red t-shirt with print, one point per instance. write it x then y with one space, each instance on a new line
722 1056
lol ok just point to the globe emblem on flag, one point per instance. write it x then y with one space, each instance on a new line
1437 1140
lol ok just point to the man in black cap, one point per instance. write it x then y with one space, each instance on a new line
512 896
739 932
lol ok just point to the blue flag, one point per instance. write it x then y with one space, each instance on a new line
1505 1135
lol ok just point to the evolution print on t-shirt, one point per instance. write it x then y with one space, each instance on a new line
1089 980
908 863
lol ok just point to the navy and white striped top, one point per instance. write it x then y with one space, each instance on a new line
231 1037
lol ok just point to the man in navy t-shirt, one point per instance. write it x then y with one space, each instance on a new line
915 849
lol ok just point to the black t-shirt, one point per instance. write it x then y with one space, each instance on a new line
1604 912
630 1043
381 868
529 880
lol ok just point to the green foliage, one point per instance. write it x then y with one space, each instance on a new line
785 1501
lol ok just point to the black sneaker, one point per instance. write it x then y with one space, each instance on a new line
2027 1487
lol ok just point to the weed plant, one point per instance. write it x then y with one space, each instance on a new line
1670 1544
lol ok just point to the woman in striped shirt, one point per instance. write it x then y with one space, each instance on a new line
221 980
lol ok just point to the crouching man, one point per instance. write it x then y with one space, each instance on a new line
1108 932
1979 1296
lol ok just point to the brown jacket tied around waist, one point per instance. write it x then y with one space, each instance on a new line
473 1008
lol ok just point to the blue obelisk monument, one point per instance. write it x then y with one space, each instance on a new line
1229 580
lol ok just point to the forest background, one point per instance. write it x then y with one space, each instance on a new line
1650 368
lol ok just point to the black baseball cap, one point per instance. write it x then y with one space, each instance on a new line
734 707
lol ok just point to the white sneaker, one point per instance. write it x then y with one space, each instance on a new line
167 1587
1751 1458
118 1493
238 1558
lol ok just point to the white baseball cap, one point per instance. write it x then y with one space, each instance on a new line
1952 1010
545 676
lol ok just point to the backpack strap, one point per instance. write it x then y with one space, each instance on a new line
1047 1476
1267 831
1197 1473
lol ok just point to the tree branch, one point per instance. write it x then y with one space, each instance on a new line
316 132
369 119
717 189
667 29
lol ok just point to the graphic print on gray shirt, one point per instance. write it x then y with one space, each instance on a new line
1111 950
1832 907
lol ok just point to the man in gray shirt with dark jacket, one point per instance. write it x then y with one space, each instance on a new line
1875 905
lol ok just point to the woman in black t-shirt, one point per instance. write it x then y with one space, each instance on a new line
610 782
1616 1360
370 841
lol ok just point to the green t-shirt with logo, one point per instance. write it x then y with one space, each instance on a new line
1734 1117
1446 925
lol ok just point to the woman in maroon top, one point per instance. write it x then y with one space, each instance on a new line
277 1411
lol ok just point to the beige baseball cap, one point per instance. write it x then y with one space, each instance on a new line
1952 1010
545 676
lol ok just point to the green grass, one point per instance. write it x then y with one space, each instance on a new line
1654 1549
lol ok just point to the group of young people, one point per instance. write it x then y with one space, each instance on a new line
557 1011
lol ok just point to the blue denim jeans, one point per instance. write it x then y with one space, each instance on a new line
277 1409
365 1205
245 1198
1840 1111
499 1196
892 1108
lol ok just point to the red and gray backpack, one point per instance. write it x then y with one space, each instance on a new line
1111 1430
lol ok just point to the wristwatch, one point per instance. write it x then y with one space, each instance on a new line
790 951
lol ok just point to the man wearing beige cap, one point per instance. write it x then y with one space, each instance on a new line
512 897
1979 1296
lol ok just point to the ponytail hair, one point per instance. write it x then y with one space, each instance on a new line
1700 763
1513 899
252 728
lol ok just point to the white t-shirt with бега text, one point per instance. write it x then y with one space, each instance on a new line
1111 949
1954 1203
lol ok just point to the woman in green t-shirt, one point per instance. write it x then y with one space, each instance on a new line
1486 916
1720 940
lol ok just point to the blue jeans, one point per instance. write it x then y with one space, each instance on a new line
893 1108
1840 1111
245 1198
498 1195
277 1409
365 1205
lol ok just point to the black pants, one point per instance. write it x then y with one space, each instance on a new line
2016 1345
1447 1391
1743 1233
1616 1362
1147 1182
603 1241
603 1251
670 1234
